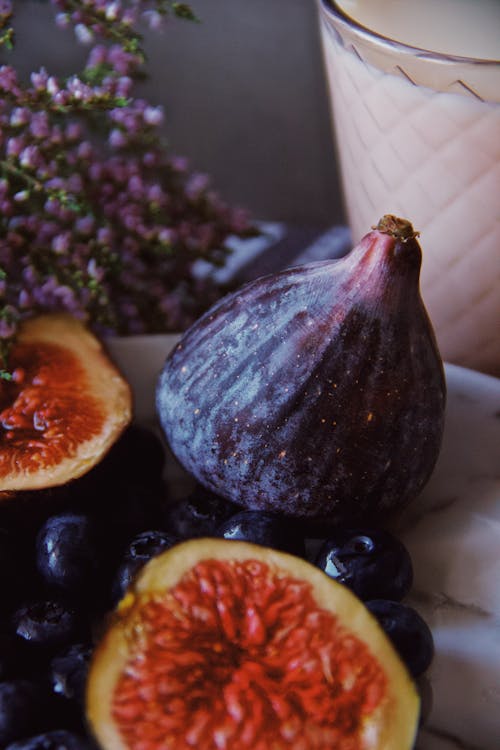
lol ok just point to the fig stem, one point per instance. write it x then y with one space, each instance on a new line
401 229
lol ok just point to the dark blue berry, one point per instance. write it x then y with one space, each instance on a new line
142 549
128 510
48 624
8 553
199 514
15 555
66 553
68 672
8 656
265 529
373 563
15 657
20 710
59 739
408 632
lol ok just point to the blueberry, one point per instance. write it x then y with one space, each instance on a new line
59 739
8 553
20 710
15 554
408 632
68 672
265 529
47 624
197 515
15 657
140 551
66 554
127 510
371 562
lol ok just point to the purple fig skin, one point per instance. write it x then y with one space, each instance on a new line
316 392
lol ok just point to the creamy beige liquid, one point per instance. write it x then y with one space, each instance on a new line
470 28
428 154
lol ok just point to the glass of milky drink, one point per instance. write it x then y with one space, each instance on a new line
415 94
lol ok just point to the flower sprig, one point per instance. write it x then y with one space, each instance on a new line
96 216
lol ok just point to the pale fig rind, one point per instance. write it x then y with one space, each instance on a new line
88 401
316 392
392 726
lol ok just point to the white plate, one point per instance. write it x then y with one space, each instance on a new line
453 534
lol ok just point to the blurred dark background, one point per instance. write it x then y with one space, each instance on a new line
244 96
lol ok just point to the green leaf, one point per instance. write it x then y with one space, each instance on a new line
182 10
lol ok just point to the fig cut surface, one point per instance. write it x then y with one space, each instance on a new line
227 645
64 407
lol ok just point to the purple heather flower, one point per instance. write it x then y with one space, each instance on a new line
197 183
122 62
39 79
166 236
155 193
84 150
30 157
153 19
65 295
21 196
179 163
6 208
30 275
63 20
39 125
74 183
135 186
73 131
8 80
25 300
149 159
83 34
123 86
95 271
78 89
97 55
15 145
19 116
104 235
85 225
61 243
52 85
117 138
153 115
112 10
123 192
129 17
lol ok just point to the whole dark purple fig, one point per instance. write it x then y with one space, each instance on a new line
318 391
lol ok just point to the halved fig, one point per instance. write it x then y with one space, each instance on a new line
227 645
64 407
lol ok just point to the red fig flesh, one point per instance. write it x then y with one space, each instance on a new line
222 644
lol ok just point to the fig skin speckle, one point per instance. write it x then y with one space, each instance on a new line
317 392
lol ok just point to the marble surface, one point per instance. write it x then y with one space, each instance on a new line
453 533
